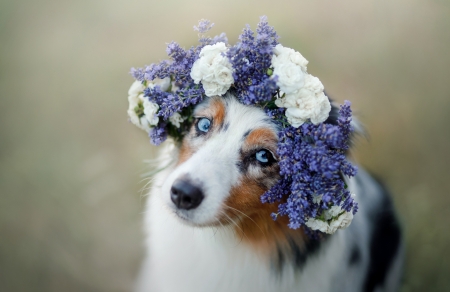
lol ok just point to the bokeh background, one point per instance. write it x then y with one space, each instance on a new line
70 164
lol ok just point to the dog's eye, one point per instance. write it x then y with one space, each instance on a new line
203 125
264 157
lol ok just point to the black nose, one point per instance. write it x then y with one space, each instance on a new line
186 195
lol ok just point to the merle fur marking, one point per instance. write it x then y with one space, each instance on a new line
246 134
296 254
225 127
384 244
355 256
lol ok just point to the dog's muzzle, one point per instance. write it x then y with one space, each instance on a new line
185 195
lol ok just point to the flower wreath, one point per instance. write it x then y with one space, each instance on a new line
312 190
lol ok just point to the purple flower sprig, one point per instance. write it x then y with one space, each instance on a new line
313 163
177 68
251 58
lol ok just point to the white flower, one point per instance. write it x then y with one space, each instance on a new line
334 220
141 98
295 116
213 69
322 110
290 67
283 54
144 125
176 119
303 93
150 110
332 212
290 77
133 103
316 224
142 112
134 118
342 222
313 84
287 101
307 103
136 88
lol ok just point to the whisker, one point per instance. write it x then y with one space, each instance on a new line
242 231
259 227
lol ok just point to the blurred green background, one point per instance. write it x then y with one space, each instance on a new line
70 163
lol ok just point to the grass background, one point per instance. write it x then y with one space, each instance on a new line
70 164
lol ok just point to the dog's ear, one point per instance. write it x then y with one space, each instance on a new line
334 116
334 113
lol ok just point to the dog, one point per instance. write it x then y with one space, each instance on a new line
207 229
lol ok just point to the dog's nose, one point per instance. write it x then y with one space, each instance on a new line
186 195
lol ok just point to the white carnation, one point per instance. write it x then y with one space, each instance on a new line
290 68
303 93
176 119
140 122
316 224
307 103
334 220
287 101
305 108
283 54
313 84
322 110
136 88
295 116
150 110
138 103
213 70
134 118
290 77
333 212
133 103
341 222
144 125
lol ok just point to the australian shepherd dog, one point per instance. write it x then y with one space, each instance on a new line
207 230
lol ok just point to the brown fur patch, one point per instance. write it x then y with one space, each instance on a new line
218 112
262 137
256 227
250 218
185 152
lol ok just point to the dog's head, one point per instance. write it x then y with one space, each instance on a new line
226 162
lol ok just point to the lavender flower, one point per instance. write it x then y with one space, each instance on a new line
158 134
251 60
312 164
204 25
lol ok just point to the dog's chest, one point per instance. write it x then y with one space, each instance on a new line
191 259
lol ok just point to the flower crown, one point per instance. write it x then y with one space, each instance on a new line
312 190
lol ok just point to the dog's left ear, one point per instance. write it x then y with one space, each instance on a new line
334 113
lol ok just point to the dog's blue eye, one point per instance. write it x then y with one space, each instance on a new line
262 156
204 124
